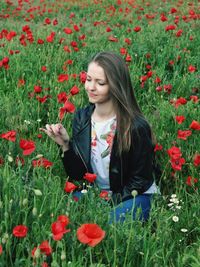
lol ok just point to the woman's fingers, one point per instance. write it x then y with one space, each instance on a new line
53 130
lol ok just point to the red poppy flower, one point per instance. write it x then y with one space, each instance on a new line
180 119
42 162
159 88
45 248
43 68
74 90
20 231
158 147
191 181
90 177
137 29
113 39
37 89
68 107
195 125
62 97
66 49
184 134
123 51
167 88
194 98
40 41
33 252
180 101
74 44
174 152
58 230
21 82
55 22
63 219
83 76
67 30
173 10
50 38
170 27
69 187
62 78
47 21
157 80
177 163
191 68
108 29
127 40
90 234
104 194
42 99
196 160
179 33
76 28
128 58
10 136
27 146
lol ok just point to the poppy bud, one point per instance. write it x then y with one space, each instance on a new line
134 193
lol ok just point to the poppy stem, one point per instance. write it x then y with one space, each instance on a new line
90 251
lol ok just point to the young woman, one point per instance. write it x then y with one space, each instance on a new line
111 138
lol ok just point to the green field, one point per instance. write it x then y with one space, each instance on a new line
44 50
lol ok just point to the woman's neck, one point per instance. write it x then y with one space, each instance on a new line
103 111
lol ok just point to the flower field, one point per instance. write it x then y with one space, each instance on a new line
44 50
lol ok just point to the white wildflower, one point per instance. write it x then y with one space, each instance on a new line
84 191
173 196
184 230
175 218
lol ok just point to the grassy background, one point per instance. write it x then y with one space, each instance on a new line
160 242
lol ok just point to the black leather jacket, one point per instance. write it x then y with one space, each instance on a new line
132 170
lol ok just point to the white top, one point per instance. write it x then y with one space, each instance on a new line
101 144
102 135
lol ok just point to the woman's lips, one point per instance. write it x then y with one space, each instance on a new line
92 95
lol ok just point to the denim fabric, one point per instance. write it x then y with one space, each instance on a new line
139 207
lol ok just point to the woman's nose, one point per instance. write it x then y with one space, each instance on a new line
91 85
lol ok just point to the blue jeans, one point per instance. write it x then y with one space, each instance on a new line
139 207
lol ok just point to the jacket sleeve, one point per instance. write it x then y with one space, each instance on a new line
72 162
140 176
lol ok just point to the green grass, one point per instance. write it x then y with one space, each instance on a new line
159 242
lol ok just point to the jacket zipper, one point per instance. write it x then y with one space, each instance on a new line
81 157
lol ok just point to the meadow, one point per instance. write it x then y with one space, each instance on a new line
44 50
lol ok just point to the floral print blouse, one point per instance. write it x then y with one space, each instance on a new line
102 135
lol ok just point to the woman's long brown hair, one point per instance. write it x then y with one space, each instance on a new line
122 93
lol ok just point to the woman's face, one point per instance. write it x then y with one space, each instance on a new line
96 84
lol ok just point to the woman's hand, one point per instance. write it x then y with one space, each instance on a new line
58 134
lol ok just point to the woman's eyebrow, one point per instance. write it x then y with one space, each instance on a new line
98 79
